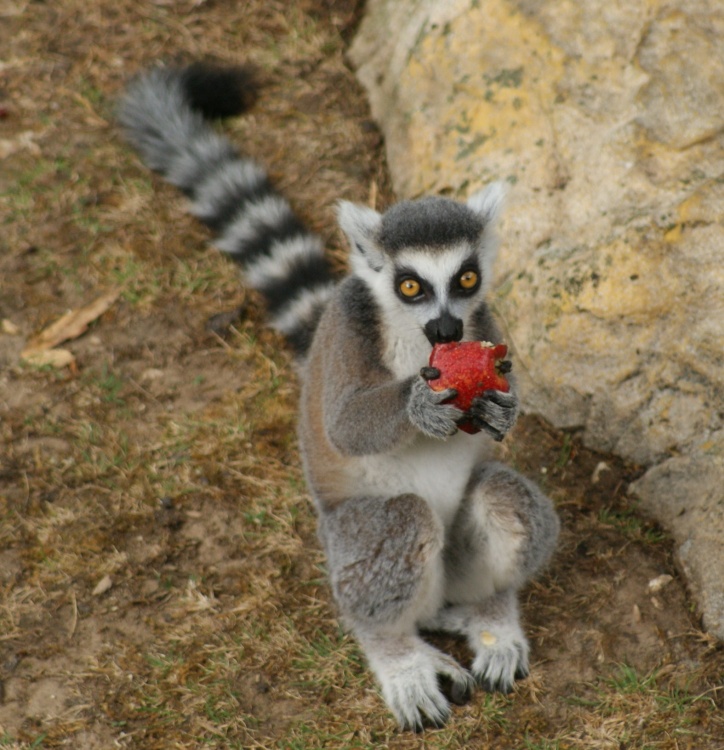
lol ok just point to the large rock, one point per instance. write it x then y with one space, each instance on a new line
608 121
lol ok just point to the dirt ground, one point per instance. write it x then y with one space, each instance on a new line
161 585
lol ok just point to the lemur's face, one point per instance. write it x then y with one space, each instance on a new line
427 261
439 287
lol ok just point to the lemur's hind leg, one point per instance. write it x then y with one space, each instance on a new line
503 533
386 569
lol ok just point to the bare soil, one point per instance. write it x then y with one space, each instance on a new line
161 585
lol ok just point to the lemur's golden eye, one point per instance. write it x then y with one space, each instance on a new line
409 288
469 280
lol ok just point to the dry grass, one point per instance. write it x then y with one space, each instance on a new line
160 581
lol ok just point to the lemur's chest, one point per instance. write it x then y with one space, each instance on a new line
436 470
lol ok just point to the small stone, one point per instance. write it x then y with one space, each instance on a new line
600 468
102 586
57 358
8 327
151 374
658 583
487 638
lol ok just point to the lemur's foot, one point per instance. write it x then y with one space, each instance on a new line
413 683
501 658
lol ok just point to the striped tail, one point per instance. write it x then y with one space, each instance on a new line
165 114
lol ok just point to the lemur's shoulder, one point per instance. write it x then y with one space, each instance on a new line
354 315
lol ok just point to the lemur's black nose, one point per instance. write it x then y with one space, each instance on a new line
444 329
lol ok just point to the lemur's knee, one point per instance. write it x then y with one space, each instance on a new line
382 554
505 531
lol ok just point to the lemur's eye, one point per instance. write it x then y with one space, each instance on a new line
410 288
469 280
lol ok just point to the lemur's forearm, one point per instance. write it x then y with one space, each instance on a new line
371 420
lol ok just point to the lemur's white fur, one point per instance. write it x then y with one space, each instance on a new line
281 260
266 212
406 347
230 176
434 471
301 307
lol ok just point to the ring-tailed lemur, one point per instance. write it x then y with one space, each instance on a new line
421 528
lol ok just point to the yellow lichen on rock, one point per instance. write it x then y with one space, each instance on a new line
468 94
632 284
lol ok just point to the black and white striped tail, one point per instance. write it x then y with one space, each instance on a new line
165 114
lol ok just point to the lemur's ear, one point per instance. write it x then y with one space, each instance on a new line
488 202
361 225
488 205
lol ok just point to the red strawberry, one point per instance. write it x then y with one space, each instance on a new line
471 368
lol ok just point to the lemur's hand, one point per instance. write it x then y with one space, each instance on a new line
426 410
495 412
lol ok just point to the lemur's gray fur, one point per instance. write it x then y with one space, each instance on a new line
421 527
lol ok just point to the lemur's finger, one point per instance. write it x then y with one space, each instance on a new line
430 373
447 395
500 398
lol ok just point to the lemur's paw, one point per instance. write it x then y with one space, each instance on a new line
495 412
413 691
427 411
501 659
456 682
458 693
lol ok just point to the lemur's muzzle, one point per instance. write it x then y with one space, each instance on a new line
444 329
